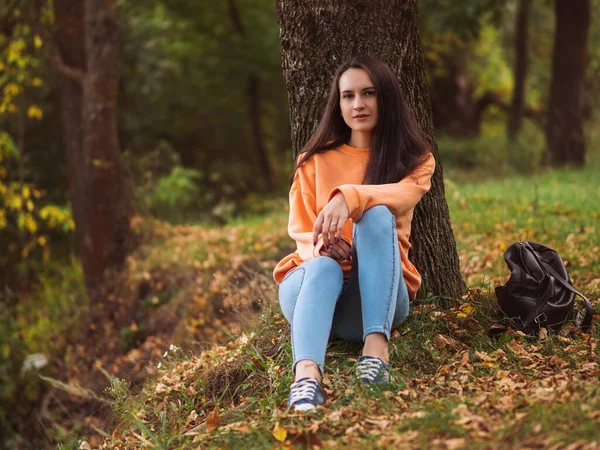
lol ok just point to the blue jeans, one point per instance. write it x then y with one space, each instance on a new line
321 305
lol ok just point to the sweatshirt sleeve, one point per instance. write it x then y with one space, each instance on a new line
303 215
398 197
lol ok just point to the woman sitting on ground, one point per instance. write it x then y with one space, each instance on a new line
354 189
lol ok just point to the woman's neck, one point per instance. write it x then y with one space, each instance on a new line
360 139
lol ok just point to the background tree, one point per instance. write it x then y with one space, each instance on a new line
87 57
515 118
565 141
314 41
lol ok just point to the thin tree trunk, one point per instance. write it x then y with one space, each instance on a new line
452 101
564 127
316 36
254 109
254 116
515 119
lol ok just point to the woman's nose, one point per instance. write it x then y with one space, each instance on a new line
358 103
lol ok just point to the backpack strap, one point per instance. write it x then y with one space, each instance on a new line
586 320
583 322
539 306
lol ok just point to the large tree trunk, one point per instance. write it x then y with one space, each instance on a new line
71 46
316 36
515 119
564 127
88 43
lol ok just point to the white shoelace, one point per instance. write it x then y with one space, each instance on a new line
368 368
302 390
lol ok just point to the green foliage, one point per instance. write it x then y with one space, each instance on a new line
488 67
56 310
27 224
464 19
19 388
31 332
175 192
186 71
492 153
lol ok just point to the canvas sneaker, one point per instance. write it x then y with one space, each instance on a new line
305 395
372 370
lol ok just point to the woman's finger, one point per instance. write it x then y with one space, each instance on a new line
332 231
325 232
336 254
317 228
338 234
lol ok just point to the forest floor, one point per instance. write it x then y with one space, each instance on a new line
453 385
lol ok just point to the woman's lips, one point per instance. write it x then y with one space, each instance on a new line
362 117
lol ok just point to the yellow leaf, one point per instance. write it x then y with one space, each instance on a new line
35 112
36 82
29 204
466 309
37 41
279 432
491 364
12 90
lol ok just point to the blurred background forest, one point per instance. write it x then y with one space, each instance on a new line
203 137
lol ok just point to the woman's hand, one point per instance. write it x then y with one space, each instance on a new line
331 221
340 251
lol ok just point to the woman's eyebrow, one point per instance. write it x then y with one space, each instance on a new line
364 89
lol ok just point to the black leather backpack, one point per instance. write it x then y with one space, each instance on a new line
539 292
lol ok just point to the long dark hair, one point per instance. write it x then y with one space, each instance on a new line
397 145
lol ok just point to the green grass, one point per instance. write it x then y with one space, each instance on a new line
453 386
558 208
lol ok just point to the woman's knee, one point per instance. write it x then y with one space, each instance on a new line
376 221
323 269
321 276
377 216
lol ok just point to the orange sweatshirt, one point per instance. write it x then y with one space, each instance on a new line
342 170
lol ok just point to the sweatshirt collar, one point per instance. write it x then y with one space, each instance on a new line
345 148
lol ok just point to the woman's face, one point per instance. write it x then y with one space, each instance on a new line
358 100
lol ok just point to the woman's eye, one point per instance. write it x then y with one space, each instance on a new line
346 95
370 93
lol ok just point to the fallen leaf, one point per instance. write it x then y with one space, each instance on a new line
335 416
212 420
465 359
453 444
558 362
279 432
191 418
242 427
161 388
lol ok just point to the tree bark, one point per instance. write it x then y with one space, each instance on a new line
88 43
515 119
71 48
318 35
564 127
